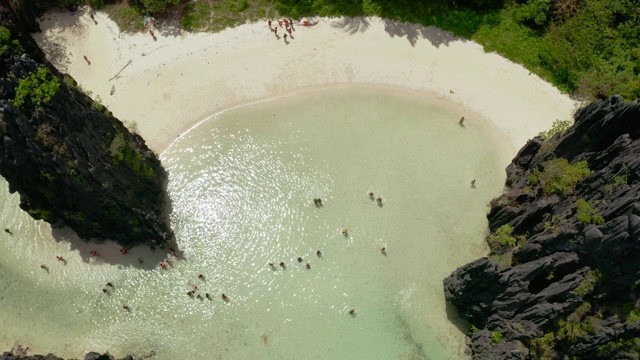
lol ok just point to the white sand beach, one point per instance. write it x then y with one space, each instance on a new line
182 78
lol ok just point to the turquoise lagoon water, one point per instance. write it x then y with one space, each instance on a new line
242 185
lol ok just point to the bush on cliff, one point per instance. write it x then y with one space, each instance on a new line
8 45
558 176
36 89
586 213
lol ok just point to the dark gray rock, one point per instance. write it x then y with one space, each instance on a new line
576 280
71 161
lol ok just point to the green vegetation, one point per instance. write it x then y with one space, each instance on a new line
558 177
550 276
503 260
544 346
628 347
634 315
49 176
9 46
40 213
577 325
218 15
588 282
586 213
559 126
127 18
36 89
496 336
618 181
553 223
504 237
121 151
77 216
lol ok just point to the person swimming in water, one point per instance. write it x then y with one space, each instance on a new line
224 297
109 284
299 259
371 195
345 231
352 312
208 296
126 307
43 266
200 276
94 253
318 253
379 201
281 264
308 266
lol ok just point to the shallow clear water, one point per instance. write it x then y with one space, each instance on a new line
242 185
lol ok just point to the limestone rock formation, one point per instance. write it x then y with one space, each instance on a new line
71 161
562 279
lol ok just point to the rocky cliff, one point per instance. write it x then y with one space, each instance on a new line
562 278
70 160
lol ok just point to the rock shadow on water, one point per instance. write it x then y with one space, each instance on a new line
111 253
454 318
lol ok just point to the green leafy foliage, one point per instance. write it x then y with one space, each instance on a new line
586 213
619 181
121 151
544 346
8 45
558 126
578 324
154 6
588 282
504 237
558 177
621 348
36 89
496 336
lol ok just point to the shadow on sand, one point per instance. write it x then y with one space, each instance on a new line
413 32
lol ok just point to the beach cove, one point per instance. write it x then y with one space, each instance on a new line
191 89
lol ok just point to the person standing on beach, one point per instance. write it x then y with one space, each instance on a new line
473 183
285 39
461 122
269 22
87 59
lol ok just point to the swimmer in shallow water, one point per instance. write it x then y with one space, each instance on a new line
224 297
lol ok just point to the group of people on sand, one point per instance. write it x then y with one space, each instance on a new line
288 28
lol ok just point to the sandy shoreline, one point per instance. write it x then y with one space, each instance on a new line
177 81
